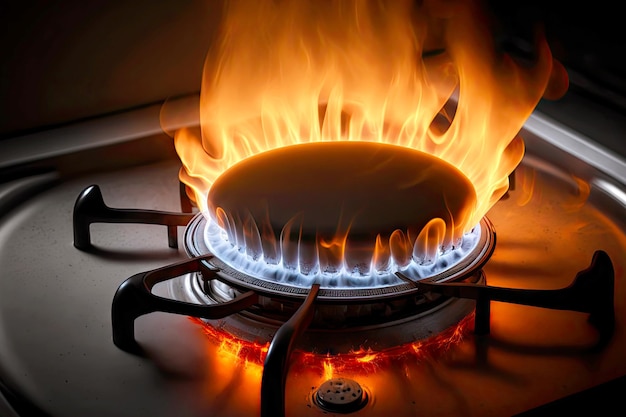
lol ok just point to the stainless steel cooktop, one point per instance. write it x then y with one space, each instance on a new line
57 357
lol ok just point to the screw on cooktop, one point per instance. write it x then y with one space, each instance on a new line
340 395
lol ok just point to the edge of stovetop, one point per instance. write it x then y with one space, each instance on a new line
139 137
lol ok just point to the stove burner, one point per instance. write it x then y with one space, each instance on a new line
376 316
592 292
340 395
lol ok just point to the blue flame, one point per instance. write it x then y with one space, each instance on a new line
303 274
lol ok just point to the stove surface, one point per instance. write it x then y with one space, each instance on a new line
57 357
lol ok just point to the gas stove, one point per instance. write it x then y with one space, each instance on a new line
347 220
60 355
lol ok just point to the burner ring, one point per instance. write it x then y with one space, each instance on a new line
376 318
471 263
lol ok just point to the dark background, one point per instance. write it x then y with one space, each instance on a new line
588 37
62 61
66 61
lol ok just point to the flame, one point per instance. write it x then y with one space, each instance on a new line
252 354
329 369
421 75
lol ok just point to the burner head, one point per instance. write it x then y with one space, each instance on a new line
377 314
343 205
346 216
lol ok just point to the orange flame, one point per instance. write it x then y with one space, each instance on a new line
252 354
424 76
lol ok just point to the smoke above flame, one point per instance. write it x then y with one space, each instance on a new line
422 75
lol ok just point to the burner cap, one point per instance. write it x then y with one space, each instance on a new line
330 206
